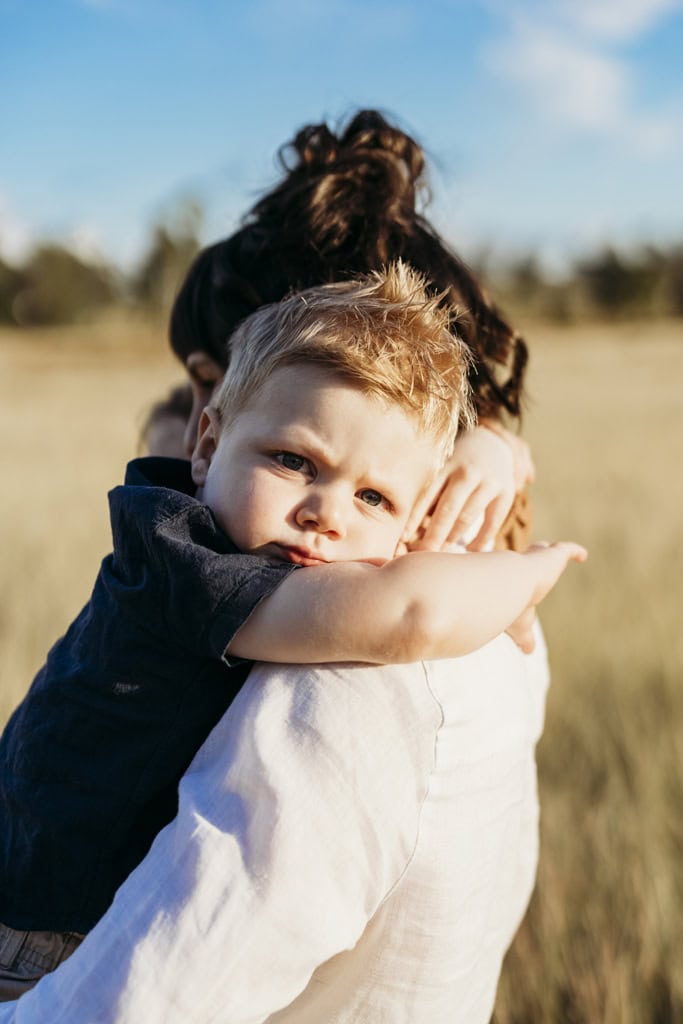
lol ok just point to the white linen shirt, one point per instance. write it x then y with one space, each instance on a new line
353 844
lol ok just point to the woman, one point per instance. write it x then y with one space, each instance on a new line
347 204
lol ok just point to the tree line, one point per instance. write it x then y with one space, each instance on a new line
56 286
607 285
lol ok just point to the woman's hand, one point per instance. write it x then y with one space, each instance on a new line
523 464
479 482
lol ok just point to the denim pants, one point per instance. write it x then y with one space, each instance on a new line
26 956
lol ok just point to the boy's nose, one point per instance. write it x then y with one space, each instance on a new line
321 513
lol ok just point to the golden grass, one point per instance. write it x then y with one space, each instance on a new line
603 939
71 403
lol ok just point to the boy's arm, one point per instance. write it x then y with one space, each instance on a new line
421 606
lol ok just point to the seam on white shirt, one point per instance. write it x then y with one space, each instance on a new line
425 795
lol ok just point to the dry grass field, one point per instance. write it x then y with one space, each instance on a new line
603 941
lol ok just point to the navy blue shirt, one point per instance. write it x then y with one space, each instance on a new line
90 760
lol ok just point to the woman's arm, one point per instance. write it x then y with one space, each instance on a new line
423 605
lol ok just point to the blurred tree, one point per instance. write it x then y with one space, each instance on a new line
56 286
170 252
526 278
648 270
607 281
618 285
673 281
559 302
11 283
59 288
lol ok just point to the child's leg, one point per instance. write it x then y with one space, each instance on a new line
26 956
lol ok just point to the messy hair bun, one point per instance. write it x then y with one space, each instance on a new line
350 194
346 205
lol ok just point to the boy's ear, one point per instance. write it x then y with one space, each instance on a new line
208 435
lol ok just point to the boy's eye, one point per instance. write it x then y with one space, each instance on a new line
371 497
291 461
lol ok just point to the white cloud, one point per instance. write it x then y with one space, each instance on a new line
615 19
564 56
16 238
566 79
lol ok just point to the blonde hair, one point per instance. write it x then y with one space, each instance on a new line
381 332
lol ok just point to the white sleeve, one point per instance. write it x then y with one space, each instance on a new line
296 818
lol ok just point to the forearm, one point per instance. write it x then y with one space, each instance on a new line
459 602
420 606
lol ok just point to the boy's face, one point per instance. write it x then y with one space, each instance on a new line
313 471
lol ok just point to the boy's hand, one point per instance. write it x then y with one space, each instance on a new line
552 560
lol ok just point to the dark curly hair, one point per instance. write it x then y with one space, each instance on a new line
347 204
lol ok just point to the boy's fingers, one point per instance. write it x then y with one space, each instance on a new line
555 557
570 549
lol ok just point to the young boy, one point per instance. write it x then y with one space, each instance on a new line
339 407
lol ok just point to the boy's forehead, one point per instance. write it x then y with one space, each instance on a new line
324 404
290 385
308 385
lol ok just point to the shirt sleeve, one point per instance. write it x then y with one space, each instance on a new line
174 571
296 819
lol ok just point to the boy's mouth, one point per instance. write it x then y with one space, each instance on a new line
300 556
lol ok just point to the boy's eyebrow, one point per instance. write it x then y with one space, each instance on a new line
302 436
299 435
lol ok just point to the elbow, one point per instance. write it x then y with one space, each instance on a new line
414 637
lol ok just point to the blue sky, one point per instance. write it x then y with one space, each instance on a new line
553 125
